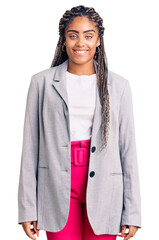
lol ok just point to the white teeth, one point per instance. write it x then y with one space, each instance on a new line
80 51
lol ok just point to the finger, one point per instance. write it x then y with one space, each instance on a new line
30 232
123 230
35 228
129 235
119 235
132 230
135 230
38 232
26 226
122 233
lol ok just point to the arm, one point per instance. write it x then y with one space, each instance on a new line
27 207
131 214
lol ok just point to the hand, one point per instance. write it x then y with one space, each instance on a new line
131 233
30 232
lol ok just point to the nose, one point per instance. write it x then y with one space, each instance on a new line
80 42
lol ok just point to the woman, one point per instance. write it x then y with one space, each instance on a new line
79 174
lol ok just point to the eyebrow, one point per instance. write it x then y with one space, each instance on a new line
78 32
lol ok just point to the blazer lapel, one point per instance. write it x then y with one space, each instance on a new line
59 82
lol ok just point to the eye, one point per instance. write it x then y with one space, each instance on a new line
72 36
89 36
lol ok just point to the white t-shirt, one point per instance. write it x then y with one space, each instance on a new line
82 90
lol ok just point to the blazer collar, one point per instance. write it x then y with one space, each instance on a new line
59 83
61 69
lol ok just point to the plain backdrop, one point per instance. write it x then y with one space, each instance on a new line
29 35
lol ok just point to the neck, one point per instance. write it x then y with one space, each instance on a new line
81 69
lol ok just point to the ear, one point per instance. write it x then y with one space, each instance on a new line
98 42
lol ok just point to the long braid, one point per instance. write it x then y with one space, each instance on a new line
100 57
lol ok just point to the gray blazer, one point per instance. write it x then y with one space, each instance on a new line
113 193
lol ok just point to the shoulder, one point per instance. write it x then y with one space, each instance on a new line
116 79
43 74
118 82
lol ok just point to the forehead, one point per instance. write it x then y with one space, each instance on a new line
81 24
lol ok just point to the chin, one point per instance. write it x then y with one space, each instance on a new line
81 60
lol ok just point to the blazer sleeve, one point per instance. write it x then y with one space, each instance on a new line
131 214
27 190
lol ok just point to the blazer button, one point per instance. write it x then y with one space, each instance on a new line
92 173
93 149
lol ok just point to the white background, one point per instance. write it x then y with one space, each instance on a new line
29 35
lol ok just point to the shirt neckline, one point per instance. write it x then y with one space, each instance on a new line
81 76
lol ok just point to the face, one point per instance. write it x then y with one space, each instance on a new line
81 40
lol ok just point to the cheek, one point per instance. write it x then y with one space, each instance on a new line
93 49
92 46
69 45
69 50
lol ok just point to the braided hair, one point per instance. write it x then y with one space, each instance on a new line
99 56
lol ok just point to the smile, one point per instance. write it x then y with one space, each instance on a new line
81 52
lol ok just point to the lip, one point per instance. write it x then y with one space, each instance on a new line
80 52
